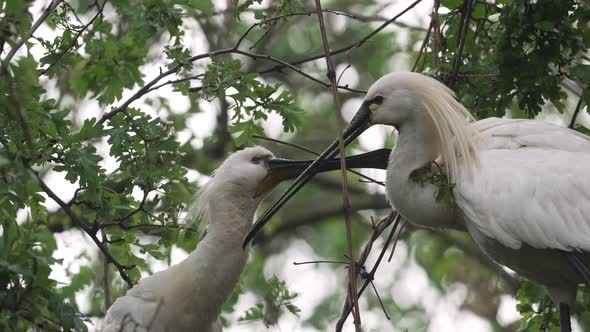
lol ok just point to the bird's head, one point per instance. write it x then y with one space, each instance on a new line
395 98
398 99
243 179
246 169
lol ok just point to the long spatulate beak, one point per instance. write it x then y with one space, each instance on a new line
280 169
357 126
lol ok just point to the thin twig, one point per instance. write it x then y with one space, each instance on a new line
192 77
463 28
87 228
575 115
346 202
75 40
106 280
34 27
295 69
347 48
278 141
320 262
394 218
396 238
359 43
379 298
423 46
384 25
342 73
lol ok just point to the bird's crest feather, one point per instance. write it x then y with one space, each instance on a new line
451 120
198 212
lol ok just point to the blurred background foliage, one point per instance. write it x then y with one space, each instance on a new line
79 104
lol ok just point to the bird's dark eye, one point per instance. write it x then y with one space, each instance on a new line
258 159
377 100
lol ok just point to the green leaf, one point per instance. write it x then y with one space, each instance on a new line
582 72
90 129
451 4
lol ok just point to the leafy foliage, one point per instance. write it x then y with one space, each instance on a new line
539 312
253 100
276 295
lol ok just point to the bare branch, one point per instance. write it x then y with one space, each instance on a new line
463 28
359 43
358 17
423 46
189 78
295 69
346 202
347 48
106 280
576 111
394 218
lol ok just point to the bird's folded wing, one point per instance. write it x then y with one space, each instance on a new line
496 133
532 185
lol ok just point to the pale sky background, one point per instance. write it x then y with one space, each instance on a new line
403 278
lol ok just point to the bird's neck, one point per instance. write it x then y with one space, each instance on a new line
218 261
231 212
417 145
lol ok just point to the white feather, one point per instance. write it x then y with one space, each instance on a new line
531 187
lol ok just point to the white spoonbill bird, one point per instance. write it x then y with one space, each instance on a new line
189 296
519 187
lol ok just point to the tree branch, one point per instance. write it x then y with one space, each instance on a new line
349 47
423 46
34 27
291 65
463 28
74 41
106 280
87 228
346 203
394 218
576 111
235 49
